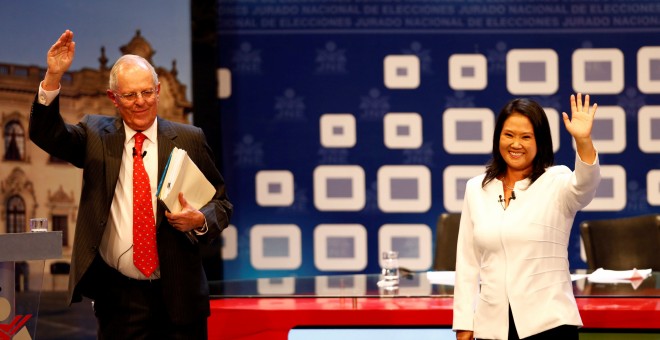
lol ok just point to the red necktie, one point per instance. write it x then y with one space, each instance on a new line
145 254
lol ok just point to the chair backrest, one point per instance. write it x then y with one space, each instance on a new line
445 241
622 243
60 268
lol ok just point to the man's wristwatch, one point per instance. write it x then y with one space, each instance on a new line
202 230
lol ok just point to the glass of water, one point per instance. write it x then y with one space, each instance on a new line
39 224
390 272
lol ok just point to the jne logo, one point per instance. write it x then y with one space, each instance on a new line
7 331
12 328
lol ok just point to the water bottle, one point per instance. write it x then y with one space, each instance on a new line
390 271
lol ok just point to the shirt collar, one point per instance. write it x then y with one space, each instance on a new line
150 132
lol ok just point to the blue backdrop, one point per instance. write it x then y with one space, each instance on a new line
311 201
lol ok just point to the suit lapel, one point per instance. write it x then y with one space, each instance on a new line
113 146
166 142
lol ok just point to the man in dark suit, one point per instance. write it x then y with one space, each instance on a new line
171 299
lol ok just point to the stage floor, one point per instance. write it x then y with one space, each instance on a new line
58 321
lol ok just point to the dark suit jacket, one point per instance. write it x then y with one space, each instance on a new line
95 145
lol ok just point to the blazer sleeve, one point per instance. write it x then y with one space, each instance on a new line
218 210
48 131
467 266
582 184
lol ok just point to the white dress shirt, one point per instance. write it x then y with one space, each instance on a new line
117 242
518 257
46 97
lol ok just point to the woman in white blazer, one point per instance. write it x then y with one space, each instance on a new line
512 270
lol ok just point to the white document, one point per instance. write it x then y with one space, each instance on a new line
601 275
447 278
182 175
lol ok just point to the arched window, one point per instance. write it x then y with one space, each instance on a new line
14 141
15 214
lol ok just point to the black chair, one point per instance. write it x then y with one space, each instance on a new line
445 241
622 243
59 268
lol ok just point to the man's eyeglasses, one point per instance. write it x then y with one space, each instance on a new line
133 96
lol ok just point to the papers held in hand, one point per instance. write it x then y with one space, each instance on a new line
182 175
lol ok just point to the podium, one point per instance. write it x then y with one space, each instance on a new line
22 261
329 307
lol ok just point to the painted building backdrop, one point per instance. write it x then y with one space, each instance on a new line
349 126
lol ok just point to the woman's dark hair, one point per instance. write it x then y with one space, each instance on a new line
545 157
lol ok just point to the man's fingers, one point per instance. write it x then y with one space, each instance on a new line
182 200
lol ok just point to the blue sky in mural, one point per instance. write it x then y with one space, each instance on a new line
28 28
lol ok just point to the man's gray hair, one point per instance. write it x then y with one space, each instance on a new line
129 59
